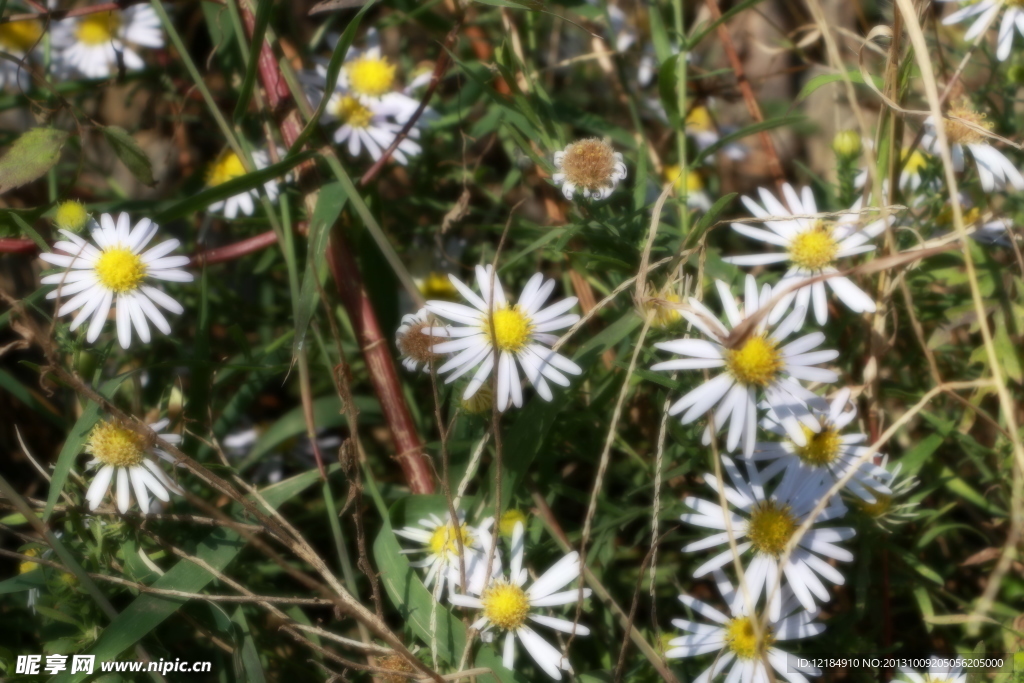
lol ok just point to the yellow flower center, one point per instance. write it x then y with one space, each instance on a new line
743 641
509 520
25 567
822 447
444 540
71 216
511 329
699 120
757 362
117 446
20 36
349 110
371 77
505 605
437 286
770 527
120 270
813 249
98 28
589 163
227 167
915 162
960 131
882 505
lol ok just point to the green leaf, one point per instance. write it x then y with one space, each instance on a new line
73 444
23 582
726 140
825 79
412 599
244 183
130 154
708 219
250 655
11 385
31 156
330 201
259 31
1006 350
218 549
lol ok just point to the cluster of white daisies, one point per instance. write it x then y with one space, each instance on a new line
767 372
91 45
456 558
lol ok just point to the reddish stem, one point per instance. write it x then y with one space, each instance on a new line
17 245
234 251
353 296
409 450
748 93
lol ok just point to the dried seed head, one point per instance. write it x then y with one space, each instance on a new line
589 164
961 131
398 665
416 344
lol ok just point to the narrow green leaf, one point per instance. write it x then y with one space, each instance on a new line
708 219
218 549
73 444
30 157
329 204
200 201
23 582
130 154
259 31
825 79
726 140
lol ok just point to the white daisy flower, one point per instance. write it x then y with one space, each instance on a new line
415 345
18 39
373 125
827 454
92 44
889 509
759 364
743 650
763 525
987 9
440 541
521 333
995 171
940 671
115 272
229 166
507 606
812 247
590 166
118 450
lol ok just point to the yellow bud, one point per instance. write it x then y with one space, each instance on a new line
846 144
71 216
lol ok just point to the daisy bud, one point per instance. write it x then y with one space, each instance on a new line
847 144
71 216
1015 74
415 343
